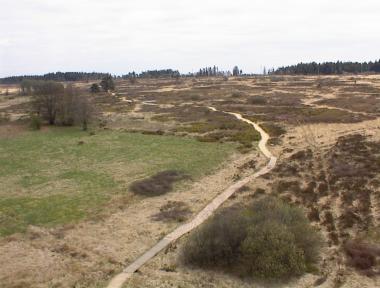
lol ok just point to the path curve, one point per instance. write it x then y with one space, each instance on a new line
121 278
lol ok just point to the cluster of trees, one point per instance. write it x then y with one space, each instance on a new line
164 73
329 68
160 73
208 71
236 71
214 71
57 104
58 76
107 84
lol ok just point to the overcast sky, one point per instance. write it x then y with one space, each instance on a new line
118 36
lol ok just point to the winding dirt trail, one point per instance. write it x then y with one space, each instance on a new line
121 278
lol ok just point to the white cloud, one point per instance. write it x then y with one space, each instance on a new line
38 36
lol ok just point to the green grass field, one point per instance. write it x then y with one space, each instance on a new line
47 178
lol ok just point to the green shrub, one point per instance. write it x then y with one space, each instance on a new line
267 239
292 217
270 251
246 137
217 242
35 123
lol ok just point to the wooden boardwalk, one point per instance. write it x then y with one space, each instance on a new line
121 278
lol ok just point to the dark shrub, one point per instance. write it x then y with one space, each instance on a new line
313 214
302 155
35 123
274 130
217 242
173 211
95 88
260 191
243 189
158 184
269 239
306 236
329 221
362 255
270 251
292 186
156 132
257 100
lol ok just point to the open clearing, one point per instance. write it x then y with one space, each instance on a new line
66 207
63 175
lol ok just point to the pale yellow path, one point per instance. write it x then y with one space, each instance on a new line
120 279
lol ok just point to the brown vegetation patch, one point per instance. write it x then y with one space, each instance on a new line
367 104
173 211
157 184
363 256
301 115
11 130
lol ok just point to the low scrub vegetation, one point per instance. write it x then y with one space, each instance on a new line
303 114
35 122
223 128
268 239
274 130
363 256
157 184
257 100
173 211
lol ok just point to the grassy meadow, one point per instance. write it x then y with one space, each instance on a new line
63 175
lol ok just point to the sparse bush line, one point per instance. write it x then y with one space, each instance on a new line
119 279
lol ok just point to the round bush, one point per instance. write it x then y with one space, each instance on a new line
217 242
270 251
267 239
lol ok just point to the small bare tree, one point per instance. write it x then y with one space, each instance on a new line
60 105
47 95
83 110
75 107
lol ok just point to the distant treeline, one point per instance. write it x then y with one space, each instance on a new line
153 74
214 71
329 68
203 72
57 76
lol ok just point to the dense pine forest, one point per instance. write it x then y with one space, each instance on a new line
329 68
